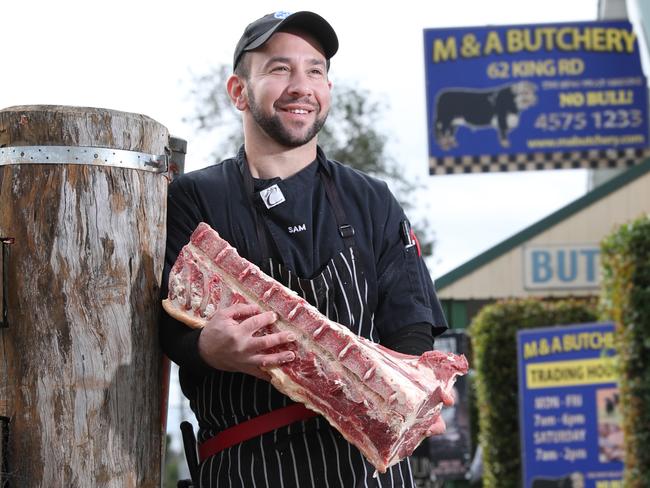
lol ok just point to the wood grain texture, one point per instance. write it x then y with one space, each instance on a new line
55 125
80 365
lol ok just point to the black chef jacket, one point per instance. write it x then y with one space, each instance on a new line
400 292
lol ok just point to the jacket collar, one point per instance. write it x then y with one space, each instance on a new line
242 162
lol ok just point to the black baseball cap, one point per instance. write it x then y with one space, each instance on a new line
258 32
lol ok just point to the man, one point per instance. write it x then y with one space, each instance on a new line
334 235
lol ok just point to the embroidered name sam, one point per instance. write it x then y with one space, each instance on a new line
296 228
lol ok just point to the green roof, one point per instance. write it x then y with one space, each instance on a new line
540 226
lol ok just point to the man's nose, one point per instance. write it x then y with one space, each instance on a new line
300 85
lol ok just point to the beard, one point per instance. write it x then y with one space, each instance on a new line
276 130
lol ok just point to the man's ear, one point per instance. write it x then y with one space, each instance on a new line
236 87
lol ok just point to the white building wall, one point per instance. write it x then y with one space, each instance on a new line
504 276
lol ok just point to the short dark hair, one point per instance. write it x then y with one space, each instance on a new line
243 68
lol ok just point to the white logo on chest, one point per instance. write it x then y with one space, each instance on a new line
297 228
272 196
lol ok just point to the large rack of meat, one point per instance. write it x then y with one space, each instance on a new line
381 401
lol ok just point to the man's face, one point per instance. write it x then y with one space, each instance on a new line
288 92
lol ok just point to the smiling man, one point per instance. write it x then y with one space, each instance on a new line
293 91
334 235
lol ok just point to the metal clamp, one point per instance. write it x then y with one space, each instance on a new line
97 156
346 230
6 242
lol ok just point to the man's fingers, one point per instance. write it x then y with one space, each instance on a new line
275 359
239 310
260 361
258 321
268 341
438 427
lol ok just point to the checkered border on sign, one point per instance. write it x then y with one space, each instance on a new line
590 159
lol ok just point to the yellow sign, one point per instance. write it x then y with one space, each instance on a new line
535 39
569 343
571 373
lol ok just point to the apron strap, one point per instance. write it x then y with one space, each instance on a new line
346 231
263 252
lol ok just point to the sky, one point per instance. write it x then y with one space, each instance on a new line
139 56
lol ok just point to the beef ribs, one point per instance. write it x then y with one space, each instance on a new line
381 401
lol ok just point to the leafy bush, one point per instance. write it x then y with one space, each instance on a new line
626 299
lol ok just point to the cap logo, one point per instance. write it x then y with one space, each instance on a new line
281 14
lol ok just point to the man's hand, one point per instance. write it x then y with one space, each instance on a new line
439 426
232 340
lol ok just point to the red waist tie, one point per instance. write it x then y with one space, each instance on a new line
253 428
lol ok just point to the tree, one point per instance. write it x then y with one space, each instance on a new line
351 135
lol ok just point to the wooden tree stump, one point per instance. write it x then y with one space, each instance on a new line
80 366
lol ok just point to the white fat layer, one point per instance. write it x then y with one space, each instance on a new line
345 350
176 283
195 303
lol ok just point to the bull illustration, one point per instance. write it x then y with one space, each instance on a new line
498 107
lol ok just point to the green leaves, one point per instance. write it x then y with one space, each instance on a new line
625 258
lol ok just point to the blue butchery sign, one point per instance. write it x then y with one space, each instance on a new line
524 89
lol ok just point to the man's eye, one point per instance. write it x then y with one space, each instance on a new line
280 69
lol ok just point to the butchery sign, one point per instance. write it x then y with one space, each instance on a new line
569 407
534 96
561 266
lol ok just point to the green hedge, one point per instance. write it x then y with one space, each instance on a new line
626 299
494 341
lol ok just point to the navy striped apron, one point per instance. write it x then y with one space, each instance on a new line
308 453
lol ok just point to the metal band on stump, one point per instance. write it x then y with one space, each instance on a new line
80 366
